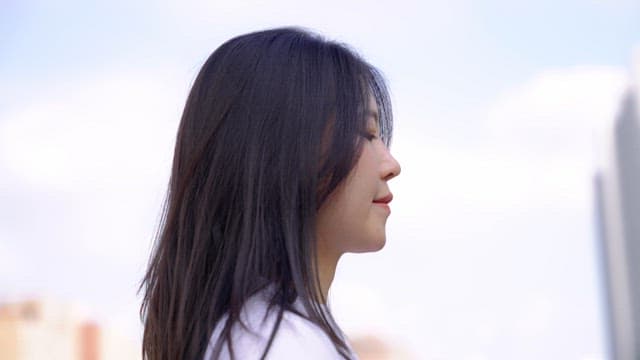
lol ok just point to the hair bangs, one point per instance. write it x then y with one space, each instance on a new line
380 93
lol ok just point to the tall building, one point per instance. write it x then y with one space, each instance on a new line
617 187
38 329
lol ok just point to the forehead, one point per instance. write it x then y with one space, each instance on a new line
373 105
373 116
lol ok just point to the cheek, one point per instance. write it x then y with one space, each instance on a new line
335 215
350 224
340 220
347 222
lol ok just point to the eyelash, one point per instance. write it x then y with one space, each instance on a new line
370 136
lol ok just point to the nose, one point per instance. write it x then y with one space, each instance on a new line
390 166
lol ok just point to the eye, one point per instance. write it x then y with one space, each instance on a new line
370 135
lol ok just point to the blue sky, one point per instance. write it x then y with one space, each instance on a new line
490 42
491 241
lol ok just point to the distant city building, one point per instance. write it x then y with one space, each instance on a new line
37 329
370 347
617 187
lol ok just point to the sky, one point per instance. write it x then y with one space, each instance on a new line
501 109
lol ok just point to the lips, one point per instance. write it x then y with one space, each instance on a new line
384 200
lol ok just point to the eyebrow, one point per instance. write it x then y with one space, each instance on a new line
376 121
373 114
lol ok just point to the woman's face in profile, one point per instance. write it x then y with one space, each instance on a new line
353 217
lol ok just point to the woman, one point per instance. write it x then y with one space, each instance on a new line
281 165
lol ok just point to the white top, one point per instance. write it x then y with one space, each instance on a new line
296 338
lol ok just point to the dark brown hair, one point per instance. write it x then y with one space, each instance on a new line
251 168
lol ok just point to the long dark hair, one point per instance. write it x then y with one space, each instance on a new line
273 124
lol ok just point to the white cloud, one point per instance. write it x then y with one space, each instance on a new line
380 31
10 262
536 151
112 130
88 166
98 151
356 16
481 234
353 314
115 133
535 316
559 114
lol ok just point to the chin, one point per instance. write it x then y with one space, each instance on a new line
371 246
378 247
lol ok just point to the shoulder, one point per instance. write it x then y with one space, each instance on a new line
299 338
295 338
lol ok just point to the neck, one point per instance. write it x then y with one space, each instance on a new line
327 263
